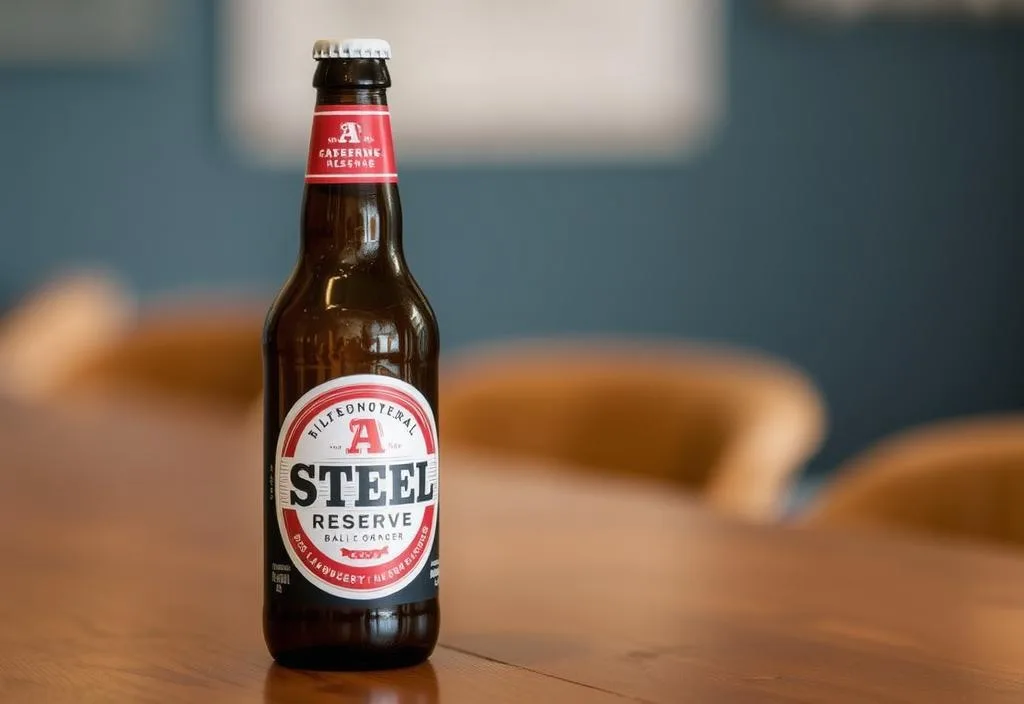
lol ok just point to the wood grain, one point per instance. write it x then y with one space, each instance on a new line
130 552
640 592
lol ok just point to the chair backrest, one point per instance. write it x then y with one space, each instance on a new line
956 479
58 327
192 355
731 426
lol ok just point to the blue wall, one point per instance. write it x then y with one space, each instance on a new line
861 212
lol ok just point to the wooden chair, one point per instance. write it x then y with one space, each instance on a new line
195 355
730 426
57 328
957 479
82 337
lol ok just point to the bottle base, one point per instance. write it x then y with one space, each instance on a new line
347 659
347 638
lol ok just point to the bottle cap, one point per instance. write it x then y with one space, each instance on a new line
351 49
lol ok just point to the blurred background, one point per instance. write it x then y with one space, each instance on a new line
834 184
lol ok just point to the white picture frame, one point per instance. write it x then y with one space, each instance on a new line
530 81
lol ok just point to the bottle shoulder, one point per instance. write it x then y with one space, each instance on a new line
352 303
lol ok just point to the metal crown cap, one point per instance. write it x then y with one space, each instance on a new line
351 49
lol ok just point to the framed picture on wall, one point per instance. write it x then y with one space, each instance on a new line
533 80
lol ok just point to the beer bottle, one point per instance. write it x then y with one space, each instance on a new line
350 389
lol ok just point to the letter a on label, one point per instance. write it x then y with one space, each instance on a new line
365 431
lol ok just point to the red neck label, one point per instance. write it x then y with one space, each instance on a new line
351 144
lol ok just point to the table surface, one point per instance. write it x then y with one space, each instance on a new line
130 557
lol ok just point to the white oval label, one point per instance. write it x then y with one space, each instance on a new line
356 485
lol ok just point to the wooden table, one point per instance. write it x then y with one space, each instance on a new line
130 560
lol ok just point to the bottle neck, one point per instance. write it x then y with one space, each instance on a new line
352 215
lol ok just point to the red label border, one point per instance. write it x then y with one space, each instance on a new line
413 557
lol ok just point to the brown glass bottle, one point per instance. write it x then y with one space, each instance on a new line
355 503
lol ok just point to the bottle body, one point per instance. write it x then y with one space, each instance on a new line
350 391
